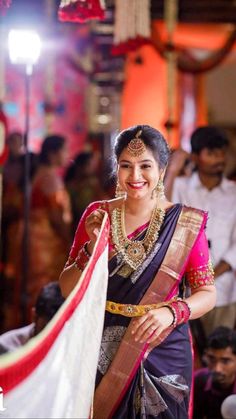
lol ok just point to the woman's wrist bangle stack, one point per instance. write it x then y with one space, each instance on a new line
181 311
173 312
83 257
86 249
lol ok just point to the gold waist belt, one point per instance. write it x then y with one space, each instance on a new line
131 310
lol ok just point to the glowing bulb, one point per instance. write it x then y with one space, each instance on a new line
24 46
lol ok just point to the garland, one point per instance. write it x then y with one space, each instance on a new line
186 62
81 10
132 26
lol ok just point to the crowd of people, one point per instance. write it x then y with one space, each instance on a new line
171 259
55 198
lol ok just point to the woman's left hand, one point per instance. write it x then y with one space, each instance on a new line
151 325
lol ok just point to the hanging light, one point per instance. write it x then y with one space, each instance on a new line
24 47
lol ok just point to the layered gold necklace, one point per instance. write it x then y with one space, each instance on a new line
135 251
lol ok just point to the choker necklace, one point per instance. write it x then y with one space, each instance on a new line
135 251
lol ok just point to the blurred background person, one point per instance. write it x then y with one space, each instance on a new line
13 177
83 184
12 216
208 189
47 303
50 216
218 380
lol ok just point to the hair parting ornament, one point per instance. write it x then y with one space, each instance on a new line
136 146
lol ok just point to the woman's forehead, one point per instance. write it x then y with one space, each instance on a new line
146 155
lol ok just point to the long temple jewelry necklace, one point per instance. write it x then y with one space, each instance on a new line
135 251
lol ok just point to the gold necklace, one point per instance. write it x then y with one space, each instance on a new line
135 251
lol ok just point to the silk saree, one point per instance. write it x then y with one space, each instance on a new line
134 380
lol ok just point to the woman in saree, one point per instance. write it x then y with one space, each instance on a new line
50 217
160 276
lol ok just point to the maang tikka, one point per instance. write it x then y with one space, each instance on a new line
136 146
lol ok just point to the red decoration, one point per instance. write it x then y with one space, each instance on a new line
181 311
3 122
130 45
80 10
82 259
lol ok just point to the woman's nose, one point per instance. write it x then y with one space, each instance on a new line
135 174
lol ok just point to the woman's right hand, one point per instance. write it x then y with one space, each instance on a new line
93 224
94 220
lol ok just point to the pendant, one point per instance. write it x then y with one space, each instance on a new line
135 252
125 271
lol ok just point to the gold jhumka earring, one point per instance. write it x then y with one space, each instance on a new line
159 190
119 193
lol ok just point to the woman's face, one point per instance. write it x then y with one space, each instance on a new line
138 176
61 156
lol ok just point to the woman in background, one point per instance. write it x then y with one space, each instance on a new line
83 183
50 216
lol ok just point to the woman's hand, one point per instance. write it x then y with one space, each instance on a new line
150 326
93 224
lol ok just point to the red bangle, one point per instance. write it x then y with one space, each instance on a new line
82 259
181 312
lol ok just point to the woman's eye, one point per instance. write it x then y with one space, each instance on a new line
124 165
145 166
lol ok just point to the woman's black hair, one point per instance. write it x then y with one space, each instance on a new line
50 145
151 137
80 162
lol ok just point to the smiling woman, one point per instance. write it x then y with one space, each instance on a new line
138 174
156 249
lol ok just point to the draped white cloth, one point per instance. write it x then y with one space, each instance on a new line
53 376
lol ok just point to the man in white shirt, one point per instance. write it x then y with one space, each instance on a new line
48 302
207 189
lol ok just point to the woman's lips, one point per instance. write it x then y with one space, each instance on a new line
136 185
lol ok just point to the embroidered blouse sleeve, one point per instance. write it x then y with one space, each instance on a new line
199 270
81 237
